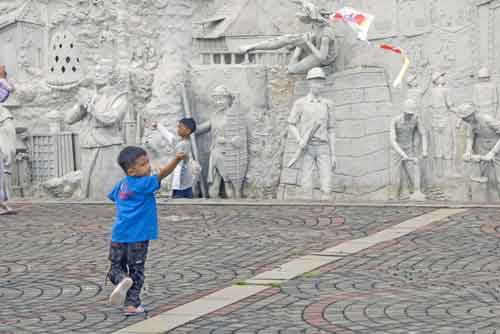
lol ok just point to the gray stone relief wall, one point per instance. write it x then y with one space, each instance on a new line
161 44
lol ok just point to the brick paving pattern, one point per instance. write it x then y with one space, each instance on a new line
54 260
443 279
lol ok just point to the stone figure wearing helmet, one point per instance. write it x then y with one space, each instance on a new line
483 147
485 94
404 127
312 124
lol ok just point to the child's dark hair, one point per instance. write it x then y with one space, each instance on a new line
129 155
190 123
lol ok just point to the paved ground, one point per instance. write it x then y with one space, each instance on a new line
440 279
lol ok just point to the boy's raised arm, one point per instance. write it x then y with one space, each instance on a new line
169 168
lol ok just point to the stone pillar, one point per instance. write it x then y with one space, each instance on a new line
175 40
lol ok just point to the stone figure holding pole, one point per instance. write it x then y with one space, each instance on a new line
7 145
414 90
483 147
312 124
443 128
100 137
312 49
405 176
485 94
228 162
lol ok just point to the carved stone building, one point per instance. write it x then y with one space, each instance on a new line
239 22
22 39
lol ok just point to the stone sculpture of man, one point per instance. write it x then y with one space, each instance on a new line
403 130
100 136
443 129
7 146
483 147
228 163
313 49
414 90
312 123
485 95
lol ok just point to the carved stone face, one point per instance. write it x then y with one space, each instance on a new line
221 102
410 107
103 74
316 85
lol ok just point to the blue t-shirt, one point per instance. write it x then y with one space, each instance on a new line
136 217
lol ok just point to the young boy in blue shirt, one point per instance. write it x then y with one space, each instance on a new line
136 223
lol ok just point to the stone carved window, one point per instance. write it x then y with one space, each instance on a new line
64 61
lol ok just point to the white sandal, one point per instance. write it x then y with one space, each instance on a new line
119 294
139 310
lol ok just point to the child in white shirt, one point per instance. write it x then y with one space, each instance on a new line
182 177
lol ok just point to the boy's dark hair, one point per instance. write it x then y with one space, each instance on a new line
129 155
190 123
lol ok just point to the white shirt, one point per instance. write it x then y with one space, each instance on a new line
182 177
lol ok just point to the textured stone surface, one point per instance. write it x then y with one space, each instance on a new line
158 44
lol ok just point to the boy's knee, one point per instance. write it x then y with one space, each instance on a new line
117 251
137 254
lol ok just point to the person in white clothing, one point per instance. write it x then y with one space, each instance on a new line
182 177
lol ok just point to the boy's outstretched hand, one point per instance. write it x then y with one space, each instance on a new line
169 168
180 156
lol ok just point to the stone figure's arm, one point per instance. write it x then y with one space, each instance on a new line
76 114
449 101
427 86
495 98
165 133
423 135
114 114
469 143
292 124
332 122
475 98
495 125
394 142
322 53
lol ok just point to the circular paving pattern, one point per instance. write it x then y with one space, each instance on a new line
54 257
443 279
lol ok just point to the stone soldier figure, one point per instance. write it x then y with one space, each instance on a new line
443 128
485 95
228 163
100 137
403 130
313 49
414 90
483 146
312 123
7 145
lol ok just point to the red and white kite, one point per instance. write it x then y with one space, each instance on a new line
357 20
360 22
